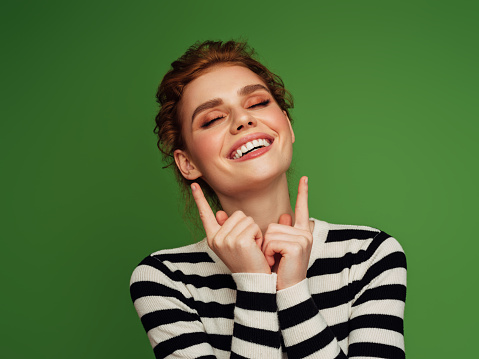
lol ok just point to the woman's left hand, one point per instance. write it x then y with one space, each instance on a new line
287 248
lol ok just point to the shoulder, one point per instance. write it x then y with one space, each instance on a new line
356 246
365 237
370 256
354 238
170 261
181 269
161 273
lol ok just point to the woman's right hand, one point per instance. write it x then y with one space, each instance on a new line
237 240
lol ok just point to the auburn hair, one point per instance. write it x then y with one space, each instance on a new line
191 65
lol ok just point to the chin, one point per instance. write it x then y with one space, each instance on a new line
250 181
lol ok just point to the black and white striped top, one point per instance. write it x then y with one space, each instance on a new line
350 305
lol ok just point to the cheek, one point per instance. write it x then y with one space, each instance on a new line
280 122
205 148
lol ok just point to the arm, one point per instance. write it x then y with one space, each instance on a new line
373 294
377 309
174 326
256 328
166 312
377 294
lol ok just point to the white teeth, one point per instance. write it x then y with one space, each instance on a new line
249 146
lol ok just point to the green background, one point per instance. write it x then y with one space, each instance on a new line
386 96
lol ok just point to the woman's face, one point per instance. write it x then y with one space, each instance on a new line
236 134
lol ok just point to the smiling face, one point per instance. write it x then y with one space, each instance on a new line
235 133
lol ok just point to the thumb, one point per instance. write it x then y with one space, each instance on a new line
285 219
221 217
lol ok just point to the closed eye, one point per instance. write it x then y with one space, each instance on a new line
260 104
210 122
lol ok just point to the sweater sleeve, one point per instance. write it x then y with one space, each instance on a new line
174 327
256 328
376 287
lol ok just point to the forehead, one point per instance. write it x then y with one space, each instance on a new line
221 81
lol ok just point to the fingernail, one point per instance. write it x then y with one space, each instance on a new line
193 187
306 180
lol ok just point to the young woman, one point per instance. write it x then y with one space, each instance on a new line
266 282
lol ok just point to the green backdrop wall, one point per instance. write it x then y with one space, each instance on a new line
386 123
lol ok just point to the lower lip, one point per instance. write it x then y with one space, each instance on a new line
254 154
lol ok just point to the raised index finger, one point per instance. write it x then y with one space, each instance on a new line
206 214
301 210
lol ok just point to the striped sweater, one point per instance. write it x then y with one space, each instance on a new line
350 305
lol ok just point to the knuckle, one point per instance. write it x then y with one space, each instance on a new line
271 227
236 215
304 241
243 243
213 244
226 242
296 249
239 213
217 242
249 219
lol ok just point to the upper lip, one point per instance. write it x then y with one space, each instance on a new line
246 139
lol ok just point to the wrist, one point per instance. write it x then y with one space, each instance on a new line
289 297
255 282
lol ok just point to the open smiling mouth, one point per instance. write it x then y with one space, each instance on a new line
249 147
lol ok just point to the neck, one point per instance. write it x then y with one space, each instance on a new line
265 204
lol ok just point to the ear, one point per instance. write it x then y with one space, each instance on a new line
290 127
186 166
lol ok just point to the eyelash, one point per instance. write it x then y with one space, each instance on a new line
262 103
206 124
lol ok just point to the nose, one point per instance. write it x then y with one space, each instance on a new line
242 121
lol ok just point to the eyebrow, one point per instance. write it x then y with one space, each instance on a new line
206 105
248 89
244 91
